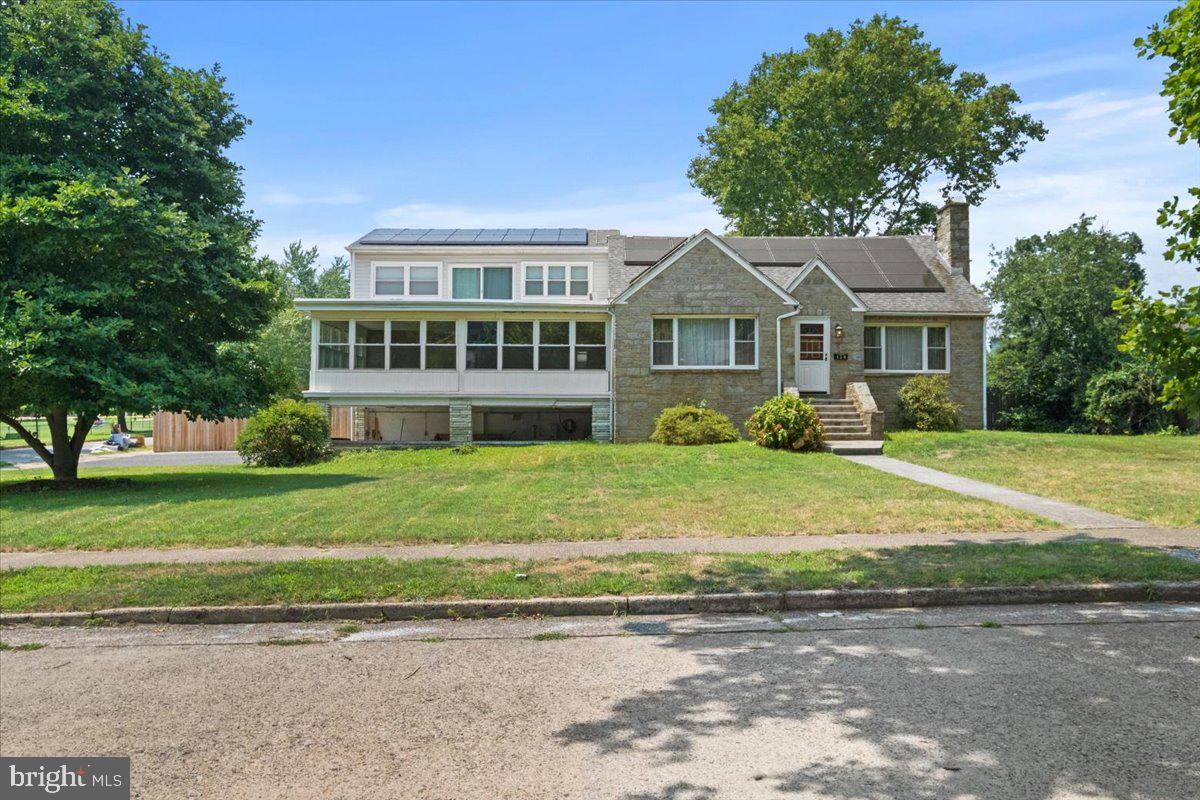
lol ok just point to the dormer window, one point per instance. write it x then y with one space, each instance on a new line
558 280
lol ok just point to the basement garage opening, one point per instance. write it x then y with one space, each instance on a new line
531 424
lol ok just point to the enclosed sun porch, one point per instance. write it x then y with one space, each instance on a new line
427 378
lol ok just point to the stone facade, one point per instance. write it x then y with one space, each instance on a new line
460 421
602 420
966 370
703 281
953 236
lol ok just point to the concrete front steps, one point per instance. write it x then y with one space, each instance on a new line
845 433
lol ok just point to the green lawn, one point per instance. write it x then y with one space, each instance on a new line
328 580
1150 478
498 494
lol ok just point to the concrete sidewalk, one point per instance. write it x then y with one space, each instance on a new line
23 458
1068 514
1144 536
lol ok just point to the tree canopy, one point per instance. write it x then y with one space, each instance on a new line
1055 325
841 137
1165 330
128 271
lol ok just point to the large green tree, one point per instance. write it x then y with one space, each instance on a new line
841 137
282 349
1165 330
127 276
1055 325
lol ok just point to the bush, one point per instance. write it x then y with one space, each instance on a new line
1125 400
925 404
786 422
285 434
692 424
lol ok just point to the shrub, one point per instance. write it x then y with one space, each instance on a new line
692 424
925 404
285 434
465 449
1125 400
786 422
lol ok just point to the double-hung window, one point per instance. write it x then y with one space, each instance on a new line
906 348
333 345
590 347
558 280
406 280
518 345
482 345
368 345
554 345
704 342
423 345
482 283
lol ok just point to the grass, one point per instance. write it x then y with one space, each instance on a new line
288 642
348 628
10 439
22 647
331 580
498 494
550 636
1155 479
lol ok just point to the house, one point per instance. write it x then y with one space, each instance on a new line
567 333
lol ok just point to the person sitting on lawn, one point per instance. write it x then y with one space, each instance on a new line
118 438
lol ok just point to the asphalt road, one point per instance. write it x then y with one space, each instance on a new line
1059 702
25 458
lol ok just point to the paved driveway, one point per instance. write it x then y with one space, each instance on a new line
1060 702
25 458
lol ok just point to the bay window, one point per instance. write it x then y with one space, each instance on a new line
906 348
481 283
704 342
406 280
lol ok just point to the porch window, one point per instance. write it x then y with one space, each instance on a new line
486 283
906 348
482 345
406 344
705 342
590 349
368 345
333 345
441 345
518 345
558 280
554 345
406 280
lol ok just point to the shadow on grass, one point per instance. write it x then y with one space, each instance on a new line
182 487
857 715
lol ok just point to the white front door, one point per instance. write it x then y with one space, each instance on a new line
812 355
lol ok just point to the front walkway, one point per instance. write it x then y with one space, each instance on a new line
1067 514
1143 536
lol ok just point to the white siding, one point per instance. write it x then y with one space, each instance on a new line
509 383
360 273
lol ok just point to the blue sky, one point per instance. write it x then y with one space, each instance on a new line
373 114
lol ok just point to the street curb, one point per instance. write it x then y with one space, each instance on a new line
612 605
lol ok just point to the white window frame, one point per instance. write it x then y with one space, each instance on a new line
571 346
512 279
545 265
731 341
317 344
883 326
354 345
406 266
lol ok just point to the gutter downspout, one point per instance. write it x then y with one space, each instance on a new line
612 363
779 347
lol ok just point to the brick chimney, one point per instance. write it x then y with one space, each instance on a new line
954 236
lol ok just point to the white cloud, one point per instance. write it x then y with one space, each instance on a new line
1098 57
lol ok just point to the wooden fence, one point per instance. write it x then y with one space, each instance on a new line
175 432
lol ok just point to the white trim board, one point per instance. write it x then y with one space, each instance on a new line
817 263
678 253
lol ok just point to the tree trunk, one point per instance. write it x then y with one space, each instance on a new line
63 454
121 422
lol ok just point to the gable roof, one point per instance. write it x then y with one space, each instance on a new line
818 264
683 247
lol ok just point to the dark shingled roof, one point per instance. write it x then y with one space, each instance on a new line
871 264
